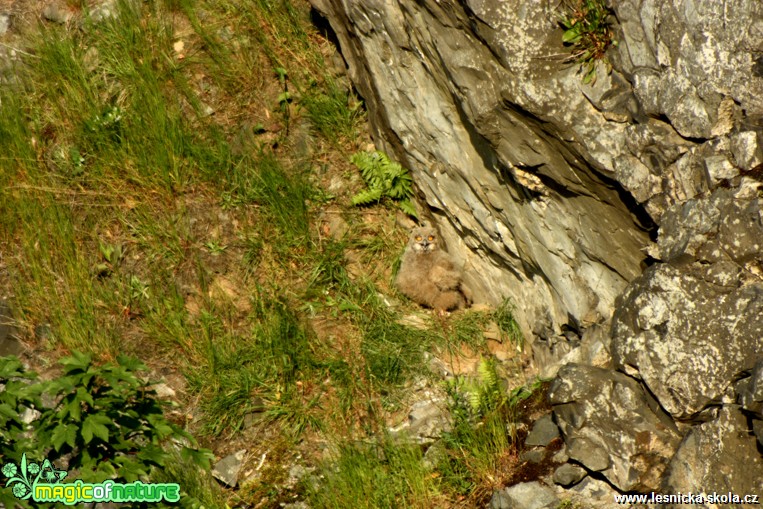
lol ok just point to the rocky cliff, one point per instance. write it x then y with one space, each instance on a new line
635 197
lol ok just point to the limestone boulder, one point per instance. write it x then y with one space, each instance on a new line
721 456
612 426
688 334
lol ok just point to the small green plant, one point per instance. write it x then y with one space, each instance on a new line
108 123
139 291
393 352
334 113
284 98
18 395
329 271
385 179
588 31
567 503
484 394
282 194
112 256
385 474
262 371
215 247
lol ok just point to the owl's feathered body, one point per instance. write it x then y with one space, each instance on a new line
427 276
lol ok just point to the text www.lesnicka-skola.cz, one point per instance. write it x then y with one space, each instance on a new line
688 498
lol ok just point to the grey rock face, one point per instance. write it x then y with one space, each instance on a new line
688 61
504 146
546 191
613 426
227 469
686 336
9 343
750 391
536 179
527 495
427 420
543 432
5 22
569 475
723 226
719 456
594 494
57 13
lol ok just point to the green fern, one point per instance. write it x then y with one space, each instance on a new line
385 179
490 392
407 207
485 393
367 197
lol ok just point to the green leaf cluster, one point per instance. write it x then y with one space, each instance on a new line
385 180
588 31
105 420
17 396
484 394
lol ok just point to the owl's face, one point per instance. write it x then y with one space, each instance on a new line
423 240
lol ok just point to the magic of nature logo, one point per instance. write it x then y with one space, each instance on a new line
41 482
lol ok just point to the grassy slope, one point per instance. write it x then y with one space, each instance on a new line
164 183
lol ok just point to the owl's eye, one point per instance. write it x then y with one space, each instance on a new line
418 238
430 238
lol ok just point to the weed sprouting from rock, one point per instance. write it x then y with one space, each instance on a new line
588 32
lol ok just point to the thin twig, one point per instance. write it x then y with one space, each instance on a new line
19 50
57 191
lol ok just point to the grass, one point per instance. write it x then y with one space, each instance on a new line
385 474
481 451
239 374
141 215
329 113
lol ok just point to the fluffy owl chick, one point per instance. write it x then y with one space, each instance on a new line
426 274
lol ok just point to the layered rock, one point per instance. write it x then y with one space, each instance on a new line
523 165
512 158
717 457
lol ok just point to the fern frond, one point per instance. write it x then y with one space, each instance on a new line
488 375
367 197
401 185
407 207
384 178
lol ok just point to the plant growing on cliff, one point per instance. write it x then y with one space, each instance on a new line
588 31
385 179
479 454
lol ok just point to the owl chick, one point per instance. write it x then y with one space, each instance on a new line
426 274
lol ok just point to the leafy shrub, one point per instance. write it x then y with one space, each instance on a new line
17 395
104 420
385 179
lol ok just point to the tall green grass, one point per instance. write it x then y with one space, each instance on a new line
238 375
382 475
